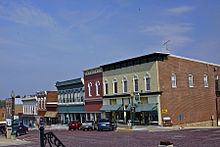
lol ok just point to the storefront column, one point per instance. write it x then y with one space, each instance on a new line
95 116
74 116
91 116
80 117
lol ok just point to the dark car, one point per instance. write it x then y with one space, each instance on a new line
74 125
20 129
105 124
3 128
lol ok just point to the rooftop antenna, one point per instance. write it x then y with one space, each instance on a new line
166 48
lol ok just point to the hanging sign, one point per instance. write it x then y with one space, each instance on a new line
164 110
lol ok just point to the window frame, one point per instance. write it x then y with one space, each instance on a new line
106 87
147 85
136 85
173 80
90 88
123 81
205 78
190 80
115 86
97 88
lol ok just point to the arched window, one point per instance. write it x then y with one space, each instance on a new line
190 80
125 86
173 80
90 88
97 88
135 79
106 87
115 86
147 82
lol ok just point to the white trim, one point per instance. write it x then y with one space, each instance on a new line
74 103
97 88
185 58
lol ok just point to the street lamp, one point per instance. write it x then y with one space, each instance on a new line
12 112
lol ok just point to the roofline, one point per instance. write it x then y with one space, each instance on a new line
99 67
126 60
194 60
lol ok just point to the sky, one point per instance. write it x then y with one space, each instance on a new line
45 41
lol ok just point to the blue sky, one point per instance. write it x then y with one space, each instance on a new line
45 41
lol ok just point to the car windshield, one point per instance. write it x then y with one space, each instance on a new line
103 120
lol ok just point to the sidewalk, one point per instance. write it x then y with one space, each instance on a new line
8 142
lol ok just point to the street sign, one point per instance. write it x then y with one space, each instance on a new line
164 110
137 97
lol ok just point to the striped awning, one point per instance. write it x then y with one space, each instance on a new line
50 114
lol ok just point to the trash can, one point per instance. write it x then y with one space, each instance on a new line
8 132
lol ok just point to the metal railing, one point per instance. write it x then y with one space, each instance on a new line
49 138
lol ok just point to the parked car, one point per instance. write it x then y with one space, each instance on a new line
74 125
88 125
20 129
105 124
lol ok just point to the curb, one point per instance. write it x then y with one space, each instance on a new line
124 130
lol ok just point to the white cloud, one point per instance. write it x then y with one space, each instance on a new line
177 33
181 9
27 15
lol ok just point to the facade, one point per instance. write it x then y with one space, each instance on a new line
160 87
18 109
71 105
126 79
47 106
93 93
30 111
2 114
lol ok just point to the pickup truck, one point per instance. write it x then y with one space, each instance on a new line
88 125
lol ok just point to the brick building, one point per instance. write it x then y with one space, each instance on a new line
2 114
47 106
162 87
93 93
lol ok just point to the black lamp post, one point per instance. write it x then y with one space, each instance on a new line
12 112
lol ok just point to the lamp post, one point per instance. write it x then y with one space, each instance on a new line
12 112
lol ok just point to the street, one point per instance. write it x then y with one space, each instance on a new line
183 138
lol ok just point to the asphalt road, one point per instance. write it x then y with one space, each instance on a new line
150 138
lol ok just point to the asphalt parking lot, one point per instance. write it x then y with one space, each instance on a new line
206 137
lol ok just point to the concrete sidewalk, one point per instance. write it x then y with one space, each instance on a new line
9 142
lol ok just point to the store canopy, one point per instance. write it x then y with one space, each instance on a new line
50 114
143 107
110 108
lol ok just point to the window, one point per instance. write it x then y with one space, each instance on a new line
44 103
90 88
125 89
38 103
173 80
147 82
190 80
64 101
205 80
115 88
216 83
135 79
70 96
97 88
41 103
106 87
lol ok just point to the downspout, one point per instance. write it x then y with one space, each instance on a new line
158 97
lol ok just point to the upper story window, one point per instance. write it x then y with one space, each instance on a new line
205 80
41 103
38 103
106 86
173 80
135 79
44 103
115 86
147 82
90 88
125 86
64 100
216 83
190 76
97 88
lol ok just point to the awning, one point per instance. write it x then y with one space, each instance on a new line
143 107
50 114
110 108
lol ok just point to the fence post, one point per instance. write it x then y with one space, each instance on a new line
41 136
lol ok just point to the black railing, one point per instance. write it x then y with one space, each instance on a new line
49 138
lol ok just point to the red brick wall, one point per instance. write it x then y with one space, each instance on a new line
93 106
52 96
195 104
93 79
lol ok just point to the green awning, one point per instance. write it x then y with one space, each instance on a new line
143 107
110 108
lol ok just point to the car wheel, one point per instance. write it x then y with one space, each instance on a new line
18 134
